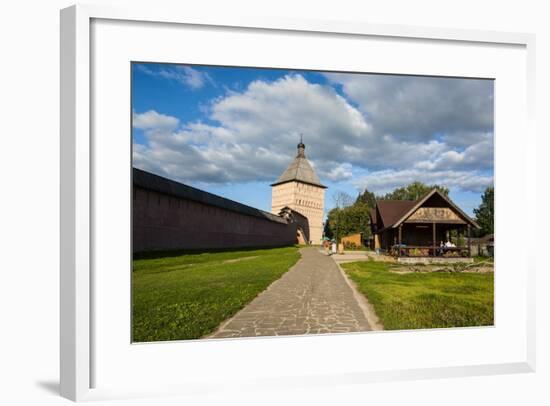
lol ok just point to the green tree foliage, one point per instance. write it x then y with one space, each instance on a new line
414 191
368 198
348 220
486 211
329 225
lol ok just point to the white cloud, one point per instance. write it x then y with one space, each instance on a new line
387 180
256 130
185 75
340 172
477 156
412 107
151 120
257 133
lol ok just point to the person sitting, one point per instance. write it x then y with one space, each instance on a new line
441 249
449 245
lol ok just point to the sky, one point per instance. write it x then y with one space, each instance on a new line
232 131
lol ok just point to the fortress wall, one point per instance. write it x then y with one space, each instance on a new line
165 222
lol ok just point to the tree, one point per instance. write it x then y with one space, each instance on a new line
485 213
328 229
356 220
340 200
348 220
414 191
368 198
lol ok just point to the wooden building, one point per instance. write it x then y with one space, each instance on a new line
483 246
353 240
419 228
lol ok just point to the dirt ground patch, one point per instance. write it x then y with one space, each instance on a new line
476 267
230 261
381 257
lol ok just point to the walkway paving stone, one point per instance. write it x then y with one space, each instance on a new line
311 298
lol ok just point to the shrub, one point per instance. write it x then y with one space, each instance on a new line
350 245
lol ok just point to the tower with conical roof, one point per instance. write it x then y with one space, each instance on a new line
300 189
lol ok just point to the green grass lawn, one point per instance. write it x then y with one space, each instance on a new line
183 296
425 300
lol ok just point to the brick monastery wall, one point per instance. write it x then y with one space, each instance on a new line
165 222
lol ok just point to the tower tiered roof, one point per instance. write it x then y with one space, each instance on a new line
300 170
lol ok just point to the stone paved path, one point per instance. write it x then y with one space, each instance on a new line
313 297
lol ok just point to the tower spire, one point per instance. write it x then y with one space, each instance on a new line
301 148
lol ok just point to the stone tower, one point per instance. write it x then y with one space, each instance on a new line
300 189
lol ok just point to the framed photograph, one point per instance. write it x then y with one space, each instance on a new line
275 202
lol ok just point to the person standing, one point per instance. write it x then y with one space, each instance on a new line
326 246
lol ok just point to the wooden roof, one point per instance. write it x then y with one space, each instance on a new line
392 210
300 170
372 214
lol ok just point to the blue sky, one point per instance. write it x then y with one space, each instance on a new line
232 131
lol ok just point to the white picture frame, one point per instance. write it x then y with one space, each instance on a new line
77 219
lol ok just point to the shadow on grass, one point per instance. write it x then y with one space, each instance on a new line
179 253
